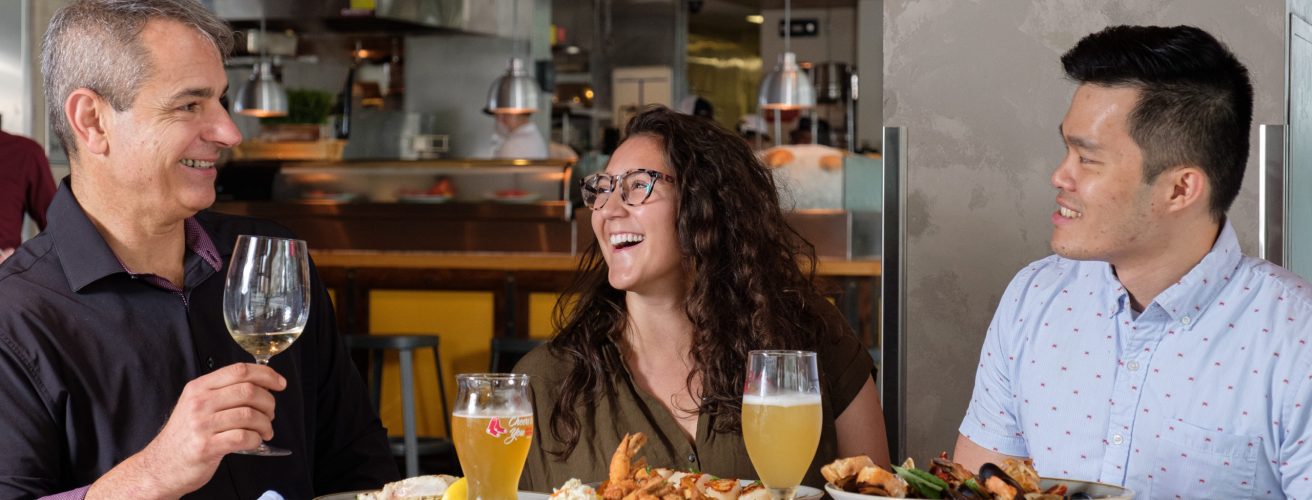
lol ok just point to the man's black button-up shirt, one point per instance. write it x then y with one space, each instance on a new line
93 359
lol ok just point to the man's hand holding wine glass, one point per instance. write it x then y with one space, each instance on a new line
229 410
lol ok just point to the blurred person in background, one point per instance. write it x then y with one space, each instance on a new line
26 188
514 135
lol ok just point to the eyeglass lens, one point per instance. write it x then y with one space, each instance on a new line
635 188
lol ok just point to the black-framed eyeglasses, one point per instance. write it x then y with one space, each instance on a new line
597 187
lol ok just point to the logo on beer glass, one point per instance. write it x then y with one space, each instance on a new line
520 427
494 428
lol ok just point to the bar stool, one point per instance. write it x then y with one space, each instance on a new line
410 445
506 351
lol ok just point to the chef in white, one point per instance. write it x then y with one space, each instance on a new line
516 136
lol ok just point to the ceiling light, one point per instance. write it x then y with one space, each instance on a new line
261 96
756 19
786 87
513 92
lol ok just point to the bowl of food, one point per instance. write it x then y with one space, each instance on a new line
858 478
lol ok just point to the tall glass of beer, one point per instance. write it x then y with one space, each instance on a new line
781 417
492 425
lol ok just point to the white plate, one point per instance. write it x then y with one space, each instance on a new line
329 197
423 198
523 198
350 495
803 492
1102 491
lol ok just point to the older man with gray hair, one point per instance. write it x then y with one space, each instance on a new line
118 378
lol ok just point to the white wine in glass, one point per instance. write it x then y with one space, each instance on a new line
781 417
266 300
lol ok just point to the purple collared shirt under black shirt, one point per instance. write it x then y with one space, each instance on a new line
93 358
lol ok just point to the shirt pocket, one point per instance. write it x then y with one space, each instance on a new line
1191 461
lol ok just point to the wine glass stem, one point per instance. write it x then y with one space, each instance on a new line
782 493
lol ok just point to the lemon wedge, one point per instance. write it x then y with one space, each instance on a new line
457 491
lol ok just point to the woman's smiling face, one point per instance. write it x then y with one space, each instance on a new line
641 243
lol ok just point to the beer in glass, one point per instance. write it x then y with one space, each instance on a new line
492 426
781 417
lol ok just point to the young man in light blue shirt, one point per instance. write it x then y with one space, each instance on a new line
1149 352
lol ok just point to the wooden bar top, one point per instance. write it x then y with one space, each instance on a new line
522 262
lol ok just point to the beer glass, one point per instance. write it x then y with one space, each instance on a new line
781 417
492 426
266 300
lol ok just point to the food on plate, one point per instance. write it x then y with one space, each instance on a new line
443 187
631 479
417 488
512 193
1013 480
574 490
843 472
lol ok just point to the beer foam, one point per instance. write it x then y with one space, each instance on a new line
493 413
782 400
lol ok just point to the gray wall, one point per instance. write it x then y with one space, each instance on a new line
979 89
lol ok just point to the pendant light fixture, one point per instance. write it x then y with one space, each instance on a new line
513 92
786 87
261 96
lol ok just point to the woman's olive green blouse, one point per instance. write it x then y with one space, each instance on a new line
844 367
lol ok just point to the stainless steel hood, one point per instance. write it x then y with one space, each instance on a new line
485 17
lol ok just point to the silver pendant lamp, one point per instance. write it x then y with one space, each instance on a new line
513 92
787 86
261 96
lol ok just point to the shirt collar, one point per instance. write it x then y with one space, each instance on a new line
1190 296
83 252
1199 288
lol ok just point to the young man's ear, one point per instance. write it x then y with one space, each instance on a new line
87 113
1189 187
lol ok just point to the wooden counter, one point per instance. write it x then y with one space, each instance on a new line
361 259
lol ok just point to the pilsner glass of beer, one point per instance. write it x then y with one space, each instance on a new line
781 417
492 426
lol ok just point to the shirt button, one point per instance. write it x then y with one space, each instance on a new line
692 458
1117 439
1132 366
209 362
1186 320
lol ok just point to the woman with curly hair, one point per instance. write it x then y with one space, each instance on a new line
694 267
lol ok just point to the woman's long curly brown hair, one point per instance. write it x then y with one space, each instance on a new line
751 278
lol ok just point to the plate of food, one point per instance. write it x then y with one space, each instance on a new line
629 477
326 196
858 478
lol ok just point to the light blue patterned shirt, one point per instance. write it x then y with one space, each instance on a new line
1203 395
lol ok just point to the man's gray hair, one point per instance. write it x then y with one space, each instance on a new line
96 44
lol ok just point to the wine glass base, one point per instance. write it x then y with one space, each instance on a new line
782 493
264 450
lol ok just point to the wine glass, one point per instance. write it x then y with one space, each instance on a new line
492 426
781 417
266 301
